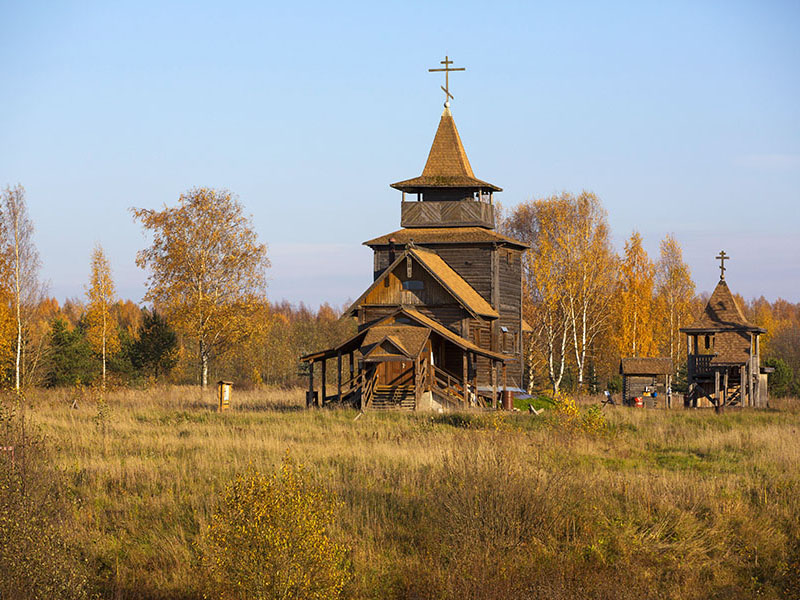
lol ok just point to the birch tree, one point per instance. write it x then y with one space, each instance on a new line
591 263
635 300
539 224
569 277
207 269
22 264
675 294
102 325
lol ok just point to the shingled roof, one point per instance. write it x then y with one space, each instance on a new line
451 281
444 235
721 313
645 366
448 165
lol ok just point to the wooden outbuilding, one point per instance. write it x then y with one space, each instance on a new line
441 325
647 378
723 354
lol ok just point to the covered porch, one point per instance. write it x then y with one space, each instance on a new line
405 361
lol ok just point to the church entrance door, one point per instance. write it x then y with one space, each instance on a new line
395 373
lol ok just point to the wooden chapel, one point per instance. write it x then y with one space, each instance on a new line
723 366
441 325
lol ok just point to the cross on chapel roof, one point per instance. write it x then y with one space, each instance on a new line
722 257
447 69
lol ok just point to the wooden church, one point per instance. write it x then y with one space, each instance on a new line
723 354
441 325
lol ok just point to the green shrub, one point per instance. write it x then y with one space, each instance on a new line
269 538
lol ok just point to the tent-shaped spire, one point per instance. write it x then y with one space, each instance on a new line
721 313
448 165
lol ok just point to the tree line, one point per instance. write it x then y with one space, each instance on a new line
207 315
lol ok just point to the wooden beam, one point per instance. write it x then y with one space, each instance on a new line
716 386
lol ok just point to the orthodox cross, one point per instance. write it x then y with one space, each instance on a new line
447 68
722 258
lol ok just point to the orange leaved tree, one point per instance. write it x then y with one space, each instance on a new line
207 269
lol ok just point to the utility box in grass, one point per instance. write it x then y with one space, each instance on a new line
224 389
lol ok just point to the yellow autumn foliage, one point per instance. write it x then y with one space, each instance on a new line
270 538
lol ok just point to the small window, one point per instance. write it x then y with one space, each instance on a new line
403 320
413 285
708 342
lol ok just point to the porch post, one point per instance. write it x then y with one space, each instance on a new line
494 384
310 399
742 386
716 386
464 378
418 370
352 369
339 376
753 399
725 387
474 375
322 383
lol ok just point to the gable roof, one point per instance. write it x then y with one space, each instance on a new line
451 281
444 235
449 335
407 339
447 165
645 366
721 313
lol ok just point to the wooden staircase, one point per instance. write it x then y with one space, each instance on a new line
387 397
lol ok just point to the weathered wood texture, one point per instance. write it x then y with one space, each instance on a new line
447 214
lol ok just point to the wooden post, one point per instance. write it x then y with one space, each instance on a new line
310 399
417 380
749 373
474 362
494 384
505 389
322 383
725 387
464 373
716 386
339 377
742 387
352 369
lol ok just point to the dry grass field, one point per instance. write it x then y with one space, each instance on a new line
678 505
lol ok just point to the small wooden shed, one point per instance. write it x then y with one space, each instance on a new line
646 378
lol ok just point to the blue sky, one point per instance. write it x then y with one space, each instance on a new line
683 117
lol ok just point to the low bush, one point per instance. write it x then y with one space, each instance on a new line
269 538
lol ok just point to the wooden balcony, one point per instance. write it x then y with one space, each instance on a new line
700 364
461 213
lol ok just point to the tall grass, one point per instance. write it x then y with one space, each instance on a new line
680 504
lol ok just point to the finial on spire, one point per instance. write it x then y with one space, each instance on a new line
722 258
446 87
